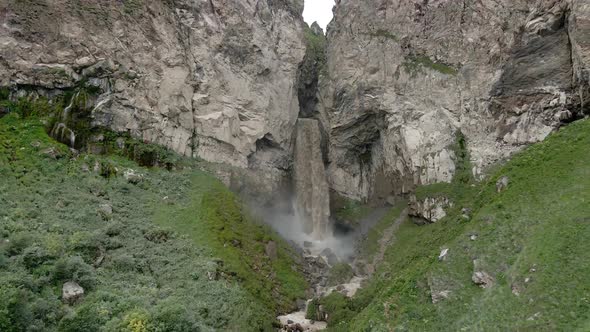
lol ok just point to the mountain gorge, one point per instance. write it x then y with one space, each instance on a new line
423 165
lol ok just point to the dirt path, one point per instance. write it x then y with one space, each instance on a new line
386 240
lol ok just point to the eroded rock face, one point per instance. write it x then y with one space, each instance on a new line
404 77
208 78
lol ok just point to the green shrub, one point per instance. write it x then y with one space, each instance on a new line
75 269
337 307
339 274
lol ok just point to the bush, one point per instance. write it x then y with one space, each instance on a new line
75 269
339 274
337 307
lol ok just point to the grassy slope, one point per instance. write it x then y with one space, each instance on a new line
151 278
541 223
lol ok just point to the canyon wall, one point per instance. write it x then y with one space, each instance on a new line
214 79
406 80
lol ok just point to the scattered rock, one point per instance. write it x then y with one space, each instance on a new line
52 153
535 316
443 254
439 289
480 277
439 296
290 322
105 211
271 250
85 168
132 177
35 144
466 213
212 275
72 292
502 184
473 237
516 289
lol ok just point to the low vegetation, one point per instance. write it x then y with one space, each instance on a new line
530 239
383 33
169 250
348 212
413 64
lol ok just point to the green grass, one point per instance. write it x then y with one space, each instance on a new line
222 225
347 211
541 223
146 267
339 274
370 245
414 63
384 33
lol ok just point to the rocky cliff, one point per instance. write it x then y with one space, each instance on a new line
406 80
214 79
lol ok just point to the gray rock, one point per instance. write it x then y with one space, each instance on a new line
481 277
105 211
502 184
430 209
72 292
52 153
504 82
443 254
222 75
132 176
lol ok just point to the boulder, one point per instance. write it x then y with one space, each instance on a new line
429 209
105 211
502 184
72 292
443 254
481 277
132 176
52 153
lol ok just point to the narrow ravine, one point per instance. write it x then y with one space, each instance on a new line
319 262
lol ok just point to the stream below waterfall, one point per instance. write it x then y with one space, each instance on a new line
320 256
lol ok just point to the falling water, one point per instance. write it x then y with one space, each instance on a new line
60 130
311 185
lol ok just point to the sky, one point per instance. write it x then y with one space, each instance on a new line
318 10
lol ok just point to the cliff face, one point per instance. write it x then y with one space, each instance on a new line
406 79
210 78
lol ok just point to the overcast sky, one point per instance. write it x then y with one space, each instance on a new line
318 10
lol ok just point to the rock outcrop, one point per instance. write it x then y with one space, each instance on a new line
72 292
214 79
430 209
405 78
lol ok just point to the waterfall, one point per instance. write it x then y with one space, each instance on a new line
312 199
59 133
